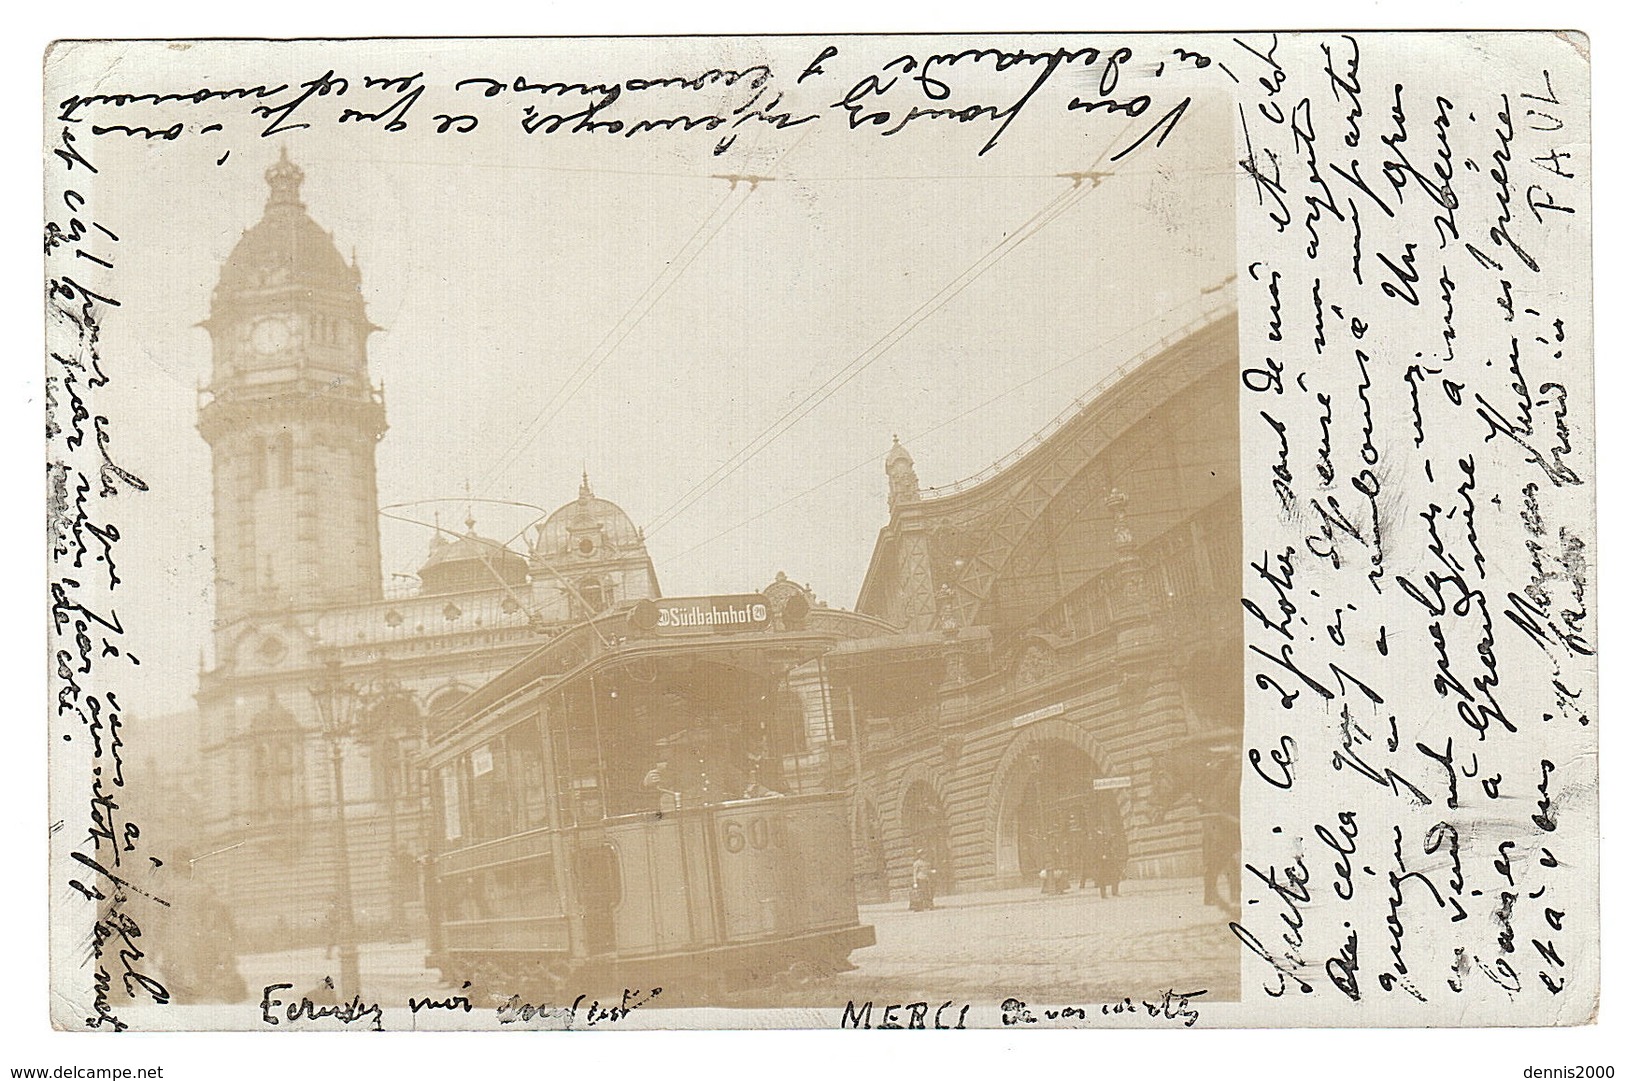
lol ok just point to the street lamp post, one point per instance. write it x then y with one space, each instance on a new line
336 703
380 710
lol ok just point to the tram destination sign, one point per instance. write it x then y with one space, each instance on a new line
688 615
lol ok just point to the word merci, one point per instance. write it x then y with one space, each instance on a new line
855 1016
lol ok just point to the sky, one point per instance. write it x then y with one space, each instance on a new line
727 360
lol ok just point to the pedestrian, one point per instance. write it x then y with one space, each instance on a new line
1109 863
1055 877
922 893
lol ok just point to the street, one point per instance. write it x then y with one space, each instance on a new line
1061 949
1072 947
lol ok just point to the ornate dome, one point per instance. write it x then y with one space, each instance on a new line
590 528
470 562
287 248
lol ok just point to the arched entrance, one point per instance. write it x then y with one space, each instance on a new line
925 827
1049 812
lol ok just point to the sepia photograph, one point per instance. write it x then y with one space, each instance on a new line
852 532
780 575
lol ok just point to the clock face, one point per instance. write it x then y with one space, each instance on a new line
270 336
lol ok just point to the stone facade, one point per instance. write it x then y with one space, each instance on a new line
1063 623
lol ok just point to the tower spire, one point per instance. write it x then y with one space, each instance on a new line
284 179
902 483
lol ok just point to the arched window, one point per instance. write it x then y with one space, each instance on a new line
438 706
273 775
384 756
394 727
445 698
273 762
592 596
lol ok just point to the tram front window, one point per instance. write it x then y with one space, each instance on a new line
690 741
694 769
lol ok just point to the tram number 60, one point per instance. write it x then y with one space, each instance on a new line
761 832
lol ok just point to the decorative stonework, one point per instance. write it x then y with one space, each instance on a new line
271 650
789 602
1034 664
903 484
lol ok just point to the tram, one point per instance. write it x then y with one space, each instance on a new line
646 801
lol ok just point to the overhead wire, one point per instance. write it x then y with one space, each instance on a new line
926 432
588 366
1040 219
673 270
797 412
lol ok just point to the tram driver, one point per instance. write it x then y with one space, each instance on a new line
695 771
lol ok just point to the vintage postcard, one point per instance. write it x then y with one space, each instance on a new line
1009 531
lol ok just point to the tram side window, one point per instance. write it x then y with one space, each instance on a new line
579 756
525 764
451 802
490 801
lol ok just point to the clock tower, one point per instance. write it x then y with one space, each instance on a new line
291 418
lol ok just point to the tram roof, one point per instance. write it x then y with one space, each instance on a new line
599 644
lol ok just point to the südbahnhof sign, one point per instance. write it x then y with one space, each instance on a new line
680 615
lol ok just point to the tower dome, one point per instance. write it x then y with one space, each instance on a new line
287 250
588 528
470 562
592 555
